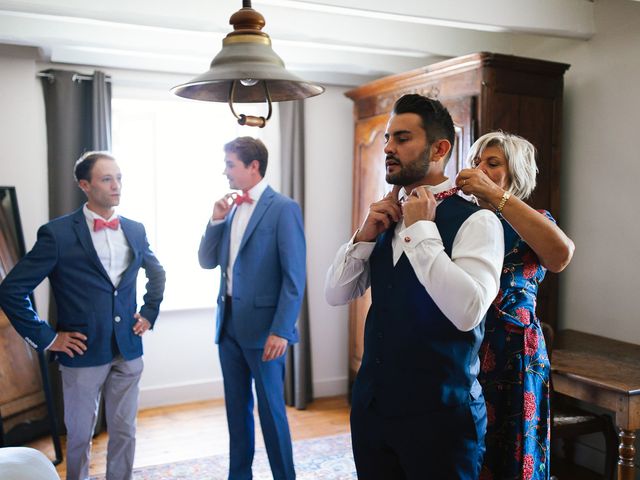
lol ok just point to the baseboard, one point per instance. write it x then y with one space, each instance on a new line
180 393
208 390
331 387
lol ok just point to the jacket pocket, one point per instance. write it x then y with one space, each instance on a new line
83 323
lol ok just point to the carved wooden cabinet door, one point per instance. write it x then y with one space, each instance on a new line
463 116
368 186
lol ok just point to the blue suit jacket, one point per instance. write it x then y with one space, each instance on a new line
269 272
86 300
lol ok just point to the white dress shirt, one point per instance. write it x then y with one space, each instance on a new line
462 286
239 225
111 246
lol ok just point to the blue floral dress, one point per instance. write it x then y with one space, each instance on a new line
514 371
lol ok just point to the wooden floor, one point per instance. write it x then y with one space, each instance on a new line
194 430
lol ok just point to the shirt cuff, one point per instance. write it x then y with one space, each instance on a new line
360 250
213 223
418 232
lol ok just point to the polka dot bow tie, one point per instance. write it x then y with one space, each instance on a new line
99 224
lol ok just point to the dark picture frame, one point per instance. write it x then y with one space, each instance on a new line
26 403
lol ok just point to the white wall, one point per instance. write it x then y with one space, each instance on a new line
328 175
23 142
600 172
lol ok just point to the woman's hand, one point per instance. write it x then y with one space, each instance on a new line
473 181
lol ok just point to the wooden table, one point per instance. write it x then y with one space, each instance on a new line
606 373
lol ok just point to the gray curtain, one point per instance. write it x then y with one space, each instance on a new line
78 116
298 380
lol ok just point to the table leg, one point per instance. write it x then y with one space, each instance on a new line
627 453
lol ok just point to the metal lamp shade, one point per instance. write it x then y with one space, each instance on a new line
242 58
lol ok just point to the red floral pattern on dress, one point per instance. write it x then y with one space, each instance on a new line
487 358
517 388
523 315
530 267
529 406
531 341
527 467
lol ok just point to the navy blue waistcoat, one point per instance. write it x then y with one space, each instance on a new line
415 360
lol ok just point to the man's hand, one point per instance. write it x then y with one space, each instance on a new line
380 217
274 347
222 207
142 324
69 342
420 205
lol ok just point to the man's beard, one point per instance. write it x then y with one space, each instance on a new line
410 173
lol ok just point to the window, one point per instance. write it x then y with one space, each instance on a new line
170 151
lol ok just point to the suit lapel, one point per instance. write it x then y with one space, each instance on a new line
82 231
226 239
263 205
131 240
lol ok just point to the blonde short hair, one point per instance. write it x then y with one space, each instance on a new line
521 160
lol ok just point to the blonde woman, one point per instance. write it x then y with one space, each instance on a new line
514 370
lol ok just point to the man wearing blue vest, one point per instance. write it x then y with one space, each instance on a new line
92 258
433 262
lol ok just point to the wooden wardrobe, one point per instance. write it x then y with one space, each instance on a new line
483 92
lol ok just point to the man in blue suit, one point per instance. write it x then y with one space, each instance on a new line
92 258
257 239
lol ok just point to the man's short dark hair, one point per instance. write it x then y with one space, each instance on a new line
84 165
436 119
249 149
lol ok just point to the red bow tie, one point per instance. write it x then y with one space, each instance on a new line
446 193
99 224
244 198
440 195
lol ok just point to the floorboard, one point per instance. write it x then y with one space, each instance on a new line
194 430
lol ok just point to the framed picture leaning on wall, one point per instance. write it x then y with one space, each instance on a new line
26 409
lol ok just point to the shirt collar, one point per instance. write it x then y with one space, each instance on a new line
90 215
257 190
441 187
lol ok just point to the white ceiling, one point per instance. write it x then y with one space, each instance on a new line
333 41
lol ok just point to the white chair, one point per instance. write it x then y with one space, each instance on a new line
23 463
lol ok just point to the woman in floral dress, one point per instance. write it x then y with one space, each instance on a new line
514 365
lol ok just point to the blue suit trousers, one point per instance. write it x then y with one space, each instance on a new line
240 366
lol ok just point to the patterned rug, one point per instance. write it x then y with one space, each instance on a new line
325 458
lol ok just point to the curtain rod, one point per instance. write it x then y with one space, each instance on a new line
77 77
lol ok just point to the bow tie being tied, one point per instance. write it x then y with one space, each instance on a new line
439 195
244 198
99 224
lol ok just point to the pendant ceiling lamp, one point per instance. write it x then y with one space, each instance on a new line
247 70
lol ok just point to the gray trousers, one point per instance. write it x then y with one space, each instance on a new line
81 387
